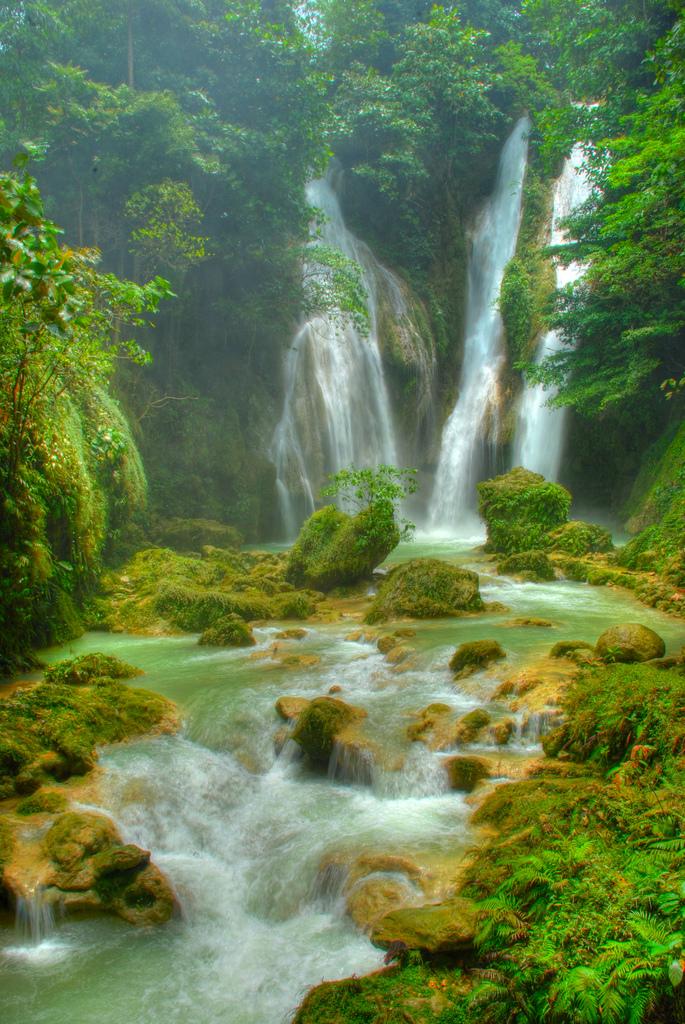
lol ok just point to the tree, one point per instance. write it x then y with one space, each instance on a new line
379 491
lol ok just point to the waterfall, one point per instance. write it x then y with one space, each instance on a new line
336 410
539 438
471 432
34 916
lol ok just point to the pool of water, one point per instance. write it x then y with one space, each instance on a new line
241 832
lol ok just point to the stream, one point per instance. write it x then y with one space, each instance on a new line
241 832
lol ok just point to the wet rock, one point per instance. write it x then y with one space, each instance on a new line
629 642
353 758
288 708
335 688
374 897
471 725
399 654
475 655
464 773
299 660
426 588
436 928
321 723
296 633
435 726
386 643
520 508
534 566
501 732
540 623
569 648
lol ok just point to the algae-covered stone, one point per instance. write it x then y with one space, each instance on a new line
579 538
569 648
83 670
335 549
44 802
464 773
426 588
534 566
474 655
629 642
229 631
320 723
520 509
296 604
501 732
291 634
471 725
436 928
194 534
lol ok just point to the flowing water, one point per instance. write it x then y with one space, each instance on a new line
242 833
470 435
539 438
336 410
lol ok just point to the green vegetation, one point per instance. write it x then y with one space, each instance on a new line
50 730
230 631
473 655
527 565
425 588
579 538
520 509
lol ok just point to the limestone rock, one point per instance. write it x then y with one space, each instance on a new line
629 642
289 708
465 773
475 655
426 588
319 725
448 927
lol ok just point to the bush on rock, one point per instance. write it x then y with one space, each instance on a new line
520 509
426 588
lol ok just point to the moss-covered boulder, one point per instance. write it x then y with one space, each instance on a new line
433 929
320 724
87 668
426 588
570 648
520 509
475 655
580 538
464 773
43 802
629 642
534 566
50 731
194 534
502 731
230 631
471 726
92 869
335 549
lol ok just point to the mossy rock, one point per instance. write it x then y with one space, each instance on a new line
464 773
194 610
334 549
470 726
85 669
534 566
580 538
426 588
629 642
568 648
433 929
44 802
231 631
289 708
296 604
520 509
501 732
319 725
194 534
475 655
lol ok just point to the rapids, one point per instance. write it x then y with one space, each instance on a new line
241 832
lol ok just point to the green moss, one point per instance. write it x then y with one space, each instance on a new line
194 534
318 725
52 729
296 605
48 802
230 631
87 668
516 307
335 549
426 588
520 509
579 538
529 565
474 655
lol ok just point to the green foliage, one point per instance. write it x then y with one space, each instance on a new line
85 669
520 509
530 565
229 631
43 802
377 491
164 215
579 538
516 307
51 730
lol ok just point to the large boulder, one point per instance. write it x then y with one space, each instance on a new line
436 928
464 773
335 549
475 655
520 509
629 642
320 724
533 566
426 588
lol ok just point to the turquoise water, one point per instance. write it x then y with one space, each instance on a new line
241 832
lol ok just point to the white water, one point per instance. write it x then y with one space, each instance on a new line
471 432
336 410
539 438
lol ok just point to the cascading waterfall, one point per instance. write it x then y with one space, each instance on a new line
539 438
336 409
471 431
